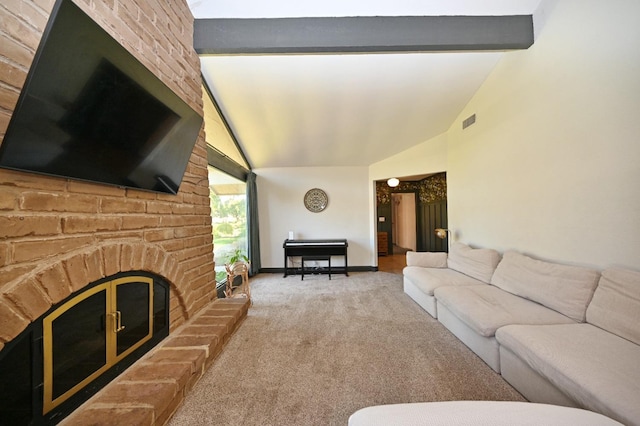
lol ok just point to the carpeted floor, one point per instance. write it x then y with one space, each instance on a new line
312 352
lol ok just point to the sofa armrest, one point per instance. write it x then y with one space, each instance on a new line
427 259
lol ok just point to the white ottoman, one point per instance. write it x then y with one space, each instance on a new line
476 413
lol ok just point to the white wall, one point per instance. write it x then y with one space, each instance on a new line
427 157
552 165
281 209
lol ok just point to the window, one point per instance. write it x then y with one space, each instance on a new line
228 170
218 134
228 200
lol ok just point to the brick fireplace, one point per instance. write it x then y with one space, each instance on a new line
58 235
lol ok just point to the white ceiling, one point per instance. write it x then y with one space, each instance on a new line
344 110
298 9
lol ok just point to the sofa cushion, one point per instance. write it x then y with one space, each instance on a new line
616 304
597 369
427 259
428 279
563 288
477 263
486 308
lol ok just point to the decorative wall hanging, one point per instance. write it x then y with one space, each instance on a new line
316 200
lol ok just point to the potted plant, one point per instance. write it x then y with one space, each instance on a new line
238 256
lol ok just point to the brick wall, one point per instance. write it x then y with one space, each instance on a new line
57 235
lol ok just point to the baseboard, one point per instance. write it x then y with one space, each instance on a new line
334 270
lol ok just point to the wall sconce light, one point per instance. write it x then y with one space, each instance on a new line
442 234
393 182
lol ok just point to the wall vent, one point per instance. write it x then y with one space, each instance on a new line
469 121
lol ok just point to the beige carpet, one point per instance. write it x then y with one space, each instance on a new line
312 352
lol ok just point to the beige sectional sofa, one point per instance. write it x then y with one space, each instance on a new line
559 334
463 266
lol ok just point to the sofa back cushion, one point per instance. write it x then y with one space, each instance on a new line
427 259
615 306
476 263
563 288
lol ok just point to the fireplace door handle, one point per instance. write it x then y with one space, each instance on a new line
118 327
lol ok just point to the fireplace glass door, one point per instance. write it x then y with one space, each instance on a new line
131 315
90 333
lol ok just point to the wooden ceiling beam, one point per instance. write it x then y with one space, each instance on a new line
376 34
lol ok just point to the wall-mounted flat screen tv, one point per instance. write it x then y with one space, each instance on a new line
90 110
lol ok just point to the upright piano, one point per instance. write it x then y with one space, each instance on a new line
314 248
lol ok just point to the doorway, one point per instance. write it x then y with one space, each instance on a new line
403 222
407 216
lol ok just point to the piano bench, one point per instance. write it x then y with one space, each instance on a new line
317 257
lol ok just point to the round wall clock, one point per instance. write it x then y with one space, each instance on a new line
316 200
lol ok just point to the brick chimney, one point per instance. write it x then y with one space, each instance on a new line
57 235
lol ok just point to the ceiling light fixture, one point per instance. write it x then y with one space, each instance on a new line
393 182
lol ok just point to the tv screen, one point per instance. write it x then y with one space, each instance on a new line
90 110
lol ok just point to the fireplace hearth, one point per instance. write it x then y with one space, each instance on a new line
81 344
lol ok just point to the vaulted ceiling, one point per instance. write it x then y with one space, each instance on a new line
340 108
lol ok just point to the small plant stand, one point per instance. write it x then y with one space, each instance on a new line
238 269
